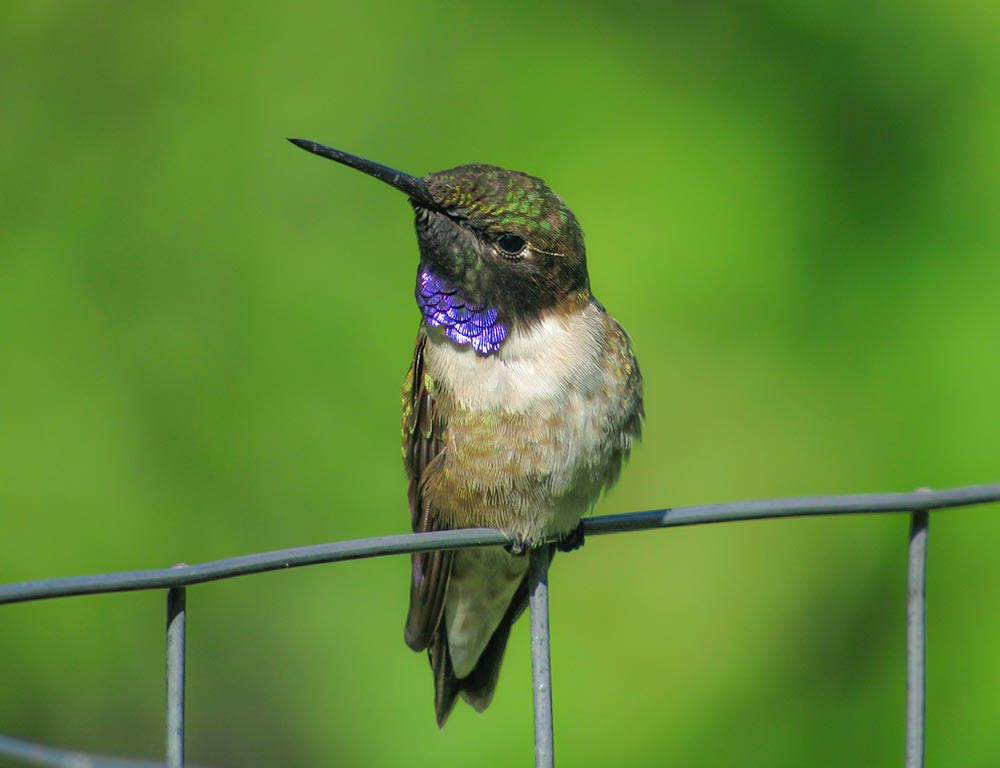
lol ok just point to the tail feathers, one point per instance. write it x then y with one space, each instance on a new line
478 686
446 685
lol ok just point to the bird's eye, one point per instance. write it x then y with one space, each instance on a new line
510 244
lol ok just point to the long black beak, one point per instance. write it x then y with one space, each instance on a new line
414 187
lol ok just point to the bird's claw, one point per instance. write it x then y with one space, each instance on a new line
572 540
518 547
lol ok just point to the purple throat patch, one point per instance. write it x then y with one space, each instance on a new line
464 322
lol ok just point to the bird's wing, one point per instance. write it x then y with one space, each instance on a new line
423 444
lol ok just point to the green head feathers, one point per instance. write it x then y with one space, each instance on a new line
504 239
498 201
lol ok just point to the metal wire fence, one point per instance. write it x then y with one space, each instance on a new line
918 504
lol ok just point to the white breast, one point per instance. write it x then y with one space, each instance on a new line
536 367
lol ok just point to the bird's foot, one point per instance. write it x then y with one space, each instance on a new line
572 540
518 547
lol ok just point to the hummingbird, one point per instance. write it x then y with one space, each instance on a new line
521 404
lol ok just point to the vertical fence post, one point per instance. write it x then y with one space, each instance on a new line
541 674
916 639
176 619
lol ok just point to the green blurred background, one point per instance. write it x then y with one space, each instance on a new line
792 206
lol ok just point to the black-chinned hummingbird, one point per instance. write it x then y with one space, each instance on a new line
521 404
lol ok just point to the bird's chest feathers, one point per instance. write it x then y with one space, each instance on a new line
538 370
528 424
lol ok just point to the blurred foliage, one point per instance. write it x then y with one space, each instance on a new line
792 206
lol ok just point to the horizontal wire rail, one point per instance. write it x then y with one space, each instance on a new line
29 753
918 504
215 570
